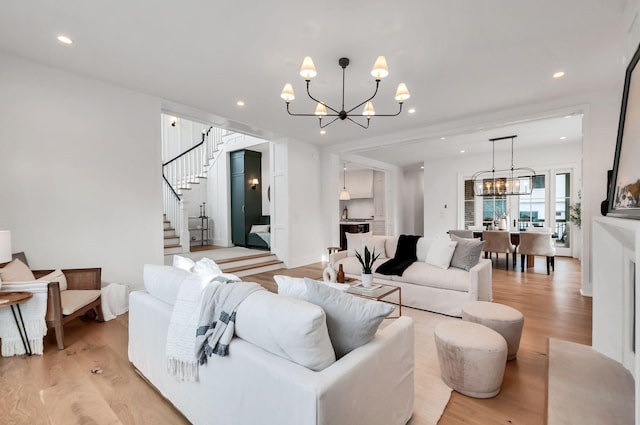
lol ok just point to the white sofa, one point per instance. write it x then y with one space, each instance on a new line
424 286
372 384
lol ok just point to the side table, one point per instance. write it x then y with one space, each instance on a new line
13 299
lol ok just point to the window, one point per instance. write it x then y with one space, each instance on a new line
469 205
493 207
532 208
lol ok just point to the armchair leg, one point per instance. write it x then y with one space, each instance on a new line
522 256
553 263
506 262
548 264
58 329
99 313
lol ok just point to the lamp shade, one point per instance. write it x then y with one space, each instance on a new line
308 69
402 93
5 246
380 69
287 93
368 110
345 196
321 110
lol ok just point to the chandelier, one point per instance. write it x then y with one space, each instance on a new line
379 71
513 181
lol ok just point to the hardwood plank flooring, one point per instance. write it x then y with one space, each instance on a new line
31 387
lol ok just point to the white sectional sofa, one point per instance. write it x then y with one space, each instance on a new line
424 286
373 384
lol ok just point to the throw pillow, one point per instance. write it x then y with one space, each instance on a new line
259 228
352 321
163 282
354 242
440 252
206 267
467 252
374 243
183 263
16 271
287 327
56 276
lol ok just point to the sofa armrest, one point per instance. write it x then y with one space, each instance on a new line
337 256
481 281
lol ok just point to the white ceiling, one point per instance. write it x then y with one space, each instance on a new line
458 58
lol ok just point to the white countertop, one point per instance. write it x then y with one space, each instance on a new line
363 221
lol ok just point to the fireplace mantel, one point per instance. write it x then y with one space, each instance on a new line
616 295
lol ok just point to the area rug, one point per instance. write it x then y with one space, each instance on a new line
431 394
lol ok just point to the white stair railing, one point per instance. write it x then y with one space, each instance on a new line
184 170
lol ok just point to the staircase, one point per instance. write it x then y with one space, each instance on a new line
179 174
250 264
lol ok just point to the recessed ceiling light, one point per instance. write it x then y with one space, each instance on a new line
442 138
568 116
563 137
412 110
422 167
65 40
240 103
462 151
323 132
558 75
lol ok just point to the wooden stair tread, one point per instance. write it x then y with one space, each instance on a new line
172 237
252 266
173 245
242 258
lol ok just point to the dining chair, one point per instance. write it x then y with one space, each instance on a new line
537 243
498 241
462 233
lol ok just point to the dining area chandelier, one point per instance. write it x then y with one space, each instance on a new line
503 182
325 111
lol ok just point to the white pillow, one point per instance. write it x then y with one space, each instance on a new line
422 248
295 287
352 321
287 327
56 276
259 228
183 263
374 242
440 252
354 242
206 267
163 282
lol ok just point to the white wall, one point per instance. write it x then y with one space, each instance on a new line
413 201
80 163
443 200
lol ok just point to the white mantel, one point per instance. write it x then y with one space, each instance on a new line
616 266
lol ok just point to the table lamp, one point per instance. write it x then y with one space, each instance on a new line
5 246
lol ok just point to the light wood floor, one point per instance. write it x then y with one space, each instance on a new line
60 387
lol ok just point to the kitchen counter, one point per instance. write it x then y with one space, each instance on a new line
363 221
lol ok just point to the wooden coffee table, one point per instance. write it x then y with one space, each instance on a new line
377 293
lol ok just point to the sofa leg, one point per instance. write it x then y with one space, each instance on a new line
522 259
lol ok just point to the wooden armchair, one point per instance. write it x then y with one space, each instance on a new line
82 295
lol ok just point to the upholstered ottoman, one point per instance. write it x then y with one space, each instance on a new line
505 320
472 358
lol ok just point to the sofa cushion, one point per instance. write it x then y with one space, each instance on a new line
467 252
163 282
428 275
290 328
352 266
390 246
376 243
440 253
352 321
354 242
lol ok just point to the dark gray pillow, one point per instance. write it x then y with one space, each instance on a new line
467 253
351 321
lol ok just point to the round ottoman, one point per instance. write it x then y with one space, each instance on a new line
472 358
505 320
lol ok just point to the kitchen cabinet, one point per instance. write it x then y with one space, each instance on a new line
359 183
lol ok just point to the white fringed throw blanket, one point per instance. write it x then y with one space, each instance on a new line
33 313
200 303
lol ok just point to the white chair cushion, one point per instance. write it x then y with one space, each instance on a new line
287 327
74 299
56 276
